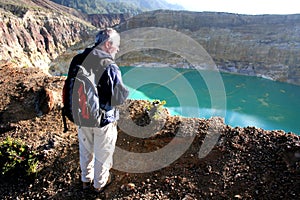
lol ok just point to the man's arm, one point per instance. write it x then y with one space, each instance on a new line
120 92
112 91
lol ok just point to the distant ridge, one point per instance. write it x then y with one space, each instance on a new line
118 6
256 45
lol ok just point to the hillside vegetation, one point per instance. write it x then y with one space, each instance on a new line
117 6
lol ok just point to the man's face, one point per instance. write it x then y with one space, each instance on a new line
114 48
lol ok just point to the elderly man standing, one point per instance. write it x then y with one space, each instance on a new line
97 144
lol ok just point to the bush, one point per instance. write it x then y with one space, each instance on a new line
16 158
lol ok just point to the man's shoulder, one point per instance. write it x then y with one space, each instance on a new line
82 55
109 63
86 51
114 67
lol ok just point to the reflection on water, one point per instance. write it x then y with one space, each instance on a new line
250 101
232 118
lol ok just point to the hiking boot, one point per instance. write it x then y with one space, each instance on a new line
99 190
86 185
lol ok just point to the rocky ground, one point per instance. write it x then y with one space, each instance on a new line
244 163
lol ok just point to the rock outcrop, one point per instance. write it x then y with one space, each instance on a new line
107 20
32 35
261 45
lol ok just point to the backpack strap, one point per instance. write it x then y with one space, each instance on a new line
106 61
64 120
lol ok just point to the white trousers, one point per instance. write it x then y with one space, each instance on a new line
96 149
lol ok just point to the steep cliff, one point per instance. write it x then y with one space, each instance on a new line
107 20
261 45
32 33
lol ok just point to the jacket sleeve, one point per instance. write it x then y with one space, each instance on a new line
118 90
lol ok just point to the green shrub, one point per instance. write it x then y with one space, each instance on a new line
16 158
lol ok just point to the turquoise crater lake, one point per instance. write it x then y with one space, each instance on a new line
249 101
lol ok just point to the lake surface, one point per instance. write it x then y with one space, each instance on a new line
240 100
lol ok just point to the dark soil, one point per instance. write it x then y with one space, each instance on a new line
245 163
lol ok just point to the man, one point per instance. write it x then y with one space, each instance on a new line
97 144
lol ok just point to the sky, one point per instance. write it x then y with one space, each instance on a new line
252 7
